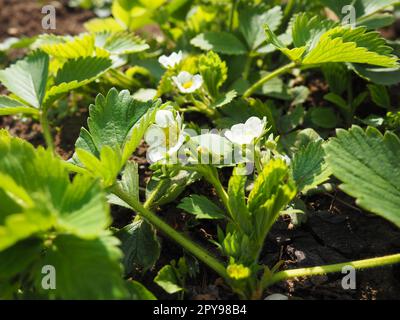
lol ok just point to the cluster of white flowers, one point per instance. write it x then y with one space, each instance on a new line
167 136
186 82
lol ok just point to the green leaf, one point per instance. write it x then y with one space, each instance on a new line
116 124
103 25
19 257
201 207
84 210
382 76
338 77
272 192
10 106
111 120
120 43
343 44
37 195
324 117
85 269
172 185
252 21
368 165
292 119
28 78
237 200
307 29
339 102
167 279
309 168
76 73
139 245
224 99
380 96
67 47
138 291
129 183
112 117
82 69
221 42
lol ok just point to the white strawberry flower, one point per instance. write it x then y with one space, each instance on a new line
165 137
188 83
246 133
170 61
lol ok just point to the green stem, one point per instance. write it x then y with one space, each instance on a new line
247 66
153 196
186 243
212 177
288 10
269 77
314 271
46 129
232 14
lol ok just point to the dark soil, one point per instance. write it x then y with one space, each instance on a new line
24 18
335 231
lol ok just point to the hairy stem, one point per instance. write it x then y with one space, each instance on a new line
186 243
269 77
212 177
314 271
44 121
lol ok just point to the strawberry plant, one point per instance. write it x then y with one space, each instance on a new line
219 118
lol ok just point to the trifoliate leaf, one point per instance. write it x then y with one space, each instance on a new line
221 42
368 165
27 78
140 246
309 168
201 207
116 124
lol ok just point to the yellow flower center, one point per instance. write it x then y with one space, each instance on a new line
188 84
238 271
